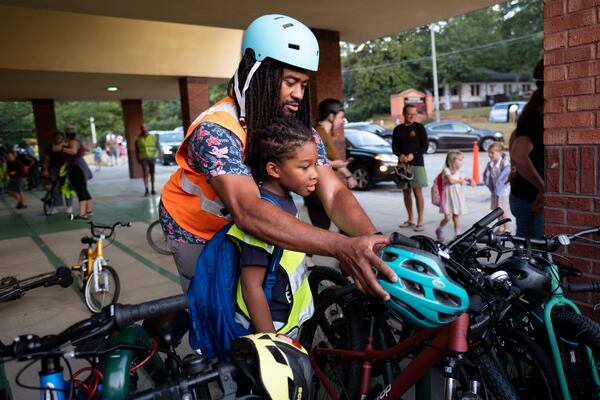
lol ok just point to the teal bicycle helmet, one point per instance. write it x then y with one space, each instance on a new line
424 295
283 39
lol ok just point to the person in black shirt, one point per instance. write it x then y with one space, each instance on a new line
527 157
409 143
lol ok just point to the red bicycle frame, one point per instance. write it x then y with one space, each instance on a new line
438 343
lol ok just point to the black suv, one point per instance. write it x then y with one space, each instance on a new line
372 158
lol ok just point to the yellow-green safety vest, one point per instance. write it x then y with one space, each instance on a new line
293 264
146 146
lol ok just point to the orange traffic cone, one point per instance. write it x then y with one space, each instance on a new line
475 163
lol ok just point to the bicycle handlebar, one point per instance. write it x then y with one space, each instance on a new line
551 243
115 316
584 287
111 228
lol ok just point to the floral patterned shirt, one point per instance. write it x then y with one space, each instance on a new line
213 151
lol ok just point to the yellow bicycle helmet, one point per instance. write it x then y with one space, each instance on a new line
279 366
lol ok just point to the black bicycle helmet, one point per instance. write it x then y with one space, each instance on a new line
525 274
278 365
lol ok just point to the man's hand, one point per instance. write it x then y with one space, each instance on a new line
403 158
538 202
357 257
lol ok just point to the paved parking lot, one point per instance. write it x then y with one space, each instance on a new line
31 243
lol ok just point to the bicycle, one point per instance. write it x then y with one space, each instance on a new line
353 338
88 340
98 280
66 190
157 239
12 288
572 340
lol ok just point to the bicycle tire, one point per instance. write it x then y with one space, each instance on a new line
574 332
156 238
337 326
495 381
96 305
320 278
83 269
48 204
529 369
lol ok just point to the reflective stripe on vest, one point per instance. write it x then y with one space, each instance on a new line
214 207
229 108
293 265
146 146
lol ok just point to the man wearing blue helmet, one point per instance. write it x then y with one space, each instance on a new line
213 184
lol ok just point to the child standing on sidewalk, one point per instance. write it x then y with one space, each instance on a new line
454 204
495 177
16 178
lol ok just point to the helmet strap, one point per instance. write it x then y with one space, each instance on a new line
241 96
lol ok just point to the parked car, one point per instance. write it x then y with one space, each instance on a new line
372 158
456 135
169 143
499 112
373 128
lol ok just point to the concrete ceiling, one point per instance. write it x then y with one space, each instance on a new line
25 85
356 20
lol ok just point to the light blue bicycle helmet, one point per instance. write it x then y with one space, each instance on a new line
424 295
280 38
283 39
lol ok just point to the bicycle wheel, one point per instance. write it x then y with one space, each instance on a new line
108 293
48 204
576 333
337 326
488 370
529 369
156 238
320 278
80 273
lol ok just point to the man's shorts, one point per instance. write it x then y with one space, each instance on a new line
16 184
419 180
148 165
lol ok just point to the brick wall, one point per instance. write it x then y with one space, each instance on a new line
572 129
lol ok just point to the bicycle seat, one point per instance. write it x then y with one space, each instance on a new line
168 329
87 240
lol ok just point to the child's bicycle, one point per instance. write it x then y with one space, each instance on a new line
98 280
65 190
156 238
12 288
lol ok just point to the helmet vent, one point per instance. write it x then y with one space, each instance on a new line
288 25
419 267
447 298
276 353
294 46
410 309
389 256
413 287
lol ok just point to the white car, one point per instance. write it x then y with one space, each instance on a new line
500 111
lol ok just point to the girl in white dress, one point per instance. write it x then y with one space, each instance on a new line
454 204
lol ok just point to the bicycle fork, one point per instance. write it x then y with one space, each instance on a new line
451 380
100 280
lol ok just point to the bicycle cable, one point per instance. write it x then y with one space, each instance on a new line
38 388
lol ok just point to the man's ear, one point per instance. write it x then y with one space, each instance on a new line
272 170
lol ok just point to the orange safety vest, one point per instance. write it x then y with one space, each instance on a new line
188 198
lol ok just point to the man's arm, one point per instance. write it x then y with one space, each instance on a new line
423 140
267 222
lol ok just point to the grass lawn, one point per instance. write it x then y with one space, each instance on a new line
476 117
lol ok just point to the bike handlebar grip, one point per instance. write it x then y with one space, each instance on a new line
491 217
398 238
584 287
63 276
126 315
345 290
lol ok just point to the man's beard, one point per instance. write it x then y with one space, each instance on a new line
288 114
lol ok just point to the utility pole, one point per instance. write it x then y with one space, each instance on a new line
93 129
436 98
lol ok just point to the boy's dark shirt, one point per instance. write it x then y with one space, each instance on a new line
533 128
280 293
14 166
55 158
410 139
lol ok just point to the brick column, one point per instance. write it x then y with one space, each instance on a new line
194 98
327 82
133 118
572 129
45 123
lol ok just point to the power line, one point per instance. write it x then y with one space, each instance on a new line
412 60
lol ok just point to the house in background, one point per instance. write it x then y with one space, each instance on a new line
486 87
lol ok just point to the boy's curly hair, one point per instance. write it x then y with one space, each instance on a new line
277 142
